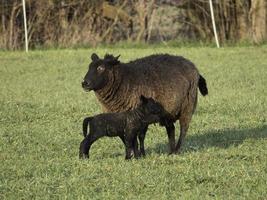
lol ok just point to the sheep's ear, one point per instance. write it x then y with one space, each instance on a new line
94 57
143 99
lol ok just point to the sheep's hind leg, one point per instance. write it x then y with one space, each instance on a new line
186 116
141 137
184 125
184 120
171 136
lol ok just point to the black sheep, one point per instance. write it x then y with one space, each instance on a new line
172 81
126 125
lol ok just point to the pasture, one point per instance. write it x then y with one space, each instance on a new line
42 106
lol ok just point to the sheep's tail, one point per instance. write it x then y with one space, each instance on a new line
202 85
85 125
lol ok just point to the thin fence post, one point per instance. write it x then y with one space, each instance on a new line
213 24
25 25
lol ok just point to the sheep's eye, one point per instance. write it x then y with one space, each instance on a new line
100 68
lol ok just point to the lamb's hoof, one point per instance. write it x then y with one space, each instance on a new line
142 153
129 156
82 135
137 155
171 153
178 152
84 156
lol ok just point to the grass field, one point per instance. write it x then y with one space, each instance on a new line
42 106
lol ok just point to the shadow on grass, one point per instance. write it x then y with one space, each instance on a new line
217 138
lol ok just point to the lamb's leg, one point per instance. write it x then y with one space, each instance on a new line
86 145
122 139
129 140
85 125
171 136
141 137
135 147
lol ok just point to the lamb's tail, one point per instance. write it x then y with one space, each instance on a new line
85 125
202 85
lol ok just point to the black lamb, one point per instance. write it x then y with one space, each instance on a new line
126 125
172 81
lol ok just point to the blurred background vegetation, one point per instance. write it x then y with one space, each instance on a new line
76 23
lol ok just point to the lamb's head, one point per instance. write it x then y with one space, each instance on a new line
152 109
98 73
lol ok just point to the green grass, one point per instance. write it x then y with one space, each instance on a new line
42 106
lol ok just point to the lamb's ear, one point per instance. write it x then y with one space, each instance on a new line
94 57
112 60
117 58
143 99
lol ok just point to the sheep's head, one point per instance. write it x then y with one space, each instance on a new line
98 73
